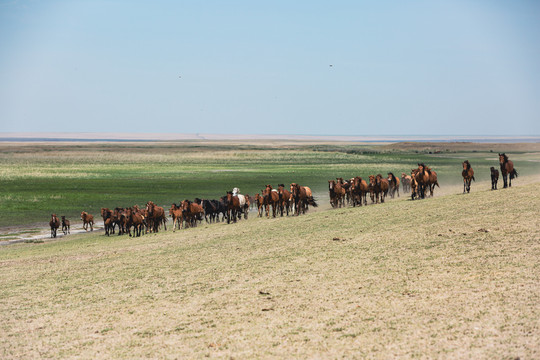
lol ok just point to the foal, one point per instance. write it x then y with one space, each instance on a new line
494 178
65 225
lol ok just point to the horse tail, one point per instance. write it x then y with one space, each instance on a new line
437 183
311 201
513 174
473 178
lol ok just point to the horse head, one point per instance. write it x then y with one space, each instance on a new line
331 184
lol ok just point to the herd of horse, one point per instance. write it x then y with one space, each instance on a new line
420 183
277 201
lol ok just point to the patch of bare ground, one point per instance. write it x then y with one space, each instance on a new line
454 276
462 146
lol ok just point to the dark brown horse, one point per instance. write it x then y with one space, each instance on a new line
393 181
494 178
336 192
119 218
87 220
421 179
507 167
468 176
54 224
303 197
108 222
359 190
65 225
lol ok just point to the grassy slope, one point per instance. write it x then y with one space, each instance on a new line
407 279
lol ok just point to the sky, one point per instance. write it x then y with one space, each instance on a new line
271 67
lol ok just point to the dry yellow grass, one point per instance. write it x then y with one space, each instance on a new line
456 276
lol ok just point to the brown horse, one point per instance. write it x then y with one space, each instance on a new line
346 186
494 178
302 198
87 220
285 199
156 216
108 222
468 176
233 206
259 200
65 225
192 212
134 218
433 182
336 192
426 179
54 224
359 190
394 184
271 198
383 186
373 189
406 182
177 215
421 179
119 218
414 185
507 167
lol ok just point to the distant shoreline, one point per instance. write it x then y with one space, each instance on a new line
144 137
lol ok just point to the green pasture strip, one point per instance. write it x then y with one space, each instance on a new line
72 179
449 277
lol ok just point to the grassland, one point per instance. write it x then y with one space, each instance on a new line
38 179
453 276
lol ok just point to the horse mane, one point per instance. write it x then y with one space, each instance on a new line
392 178
468 164
282 185
426 168
505 157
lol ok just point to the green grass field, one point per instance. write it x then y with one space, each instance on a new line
38 180
455 276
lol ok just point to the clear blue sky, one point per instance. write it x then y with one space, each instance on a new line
263 67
